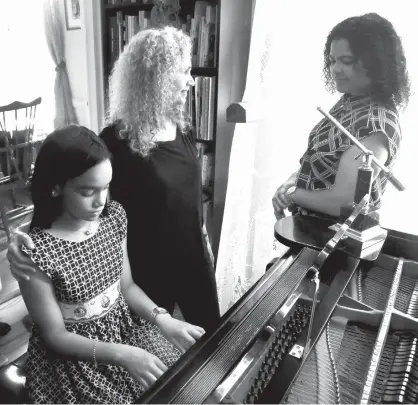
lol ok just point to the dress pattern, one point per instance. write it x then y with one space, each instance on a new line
80 272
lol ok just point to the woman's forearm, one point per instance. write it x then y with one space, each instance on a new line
325 201
139 302
344 188
84 349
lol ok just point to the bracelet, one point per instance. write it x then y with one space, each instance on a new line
94 352
157 311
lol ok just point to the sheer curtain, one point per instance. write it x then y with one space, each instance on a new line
54 32
285 78
26 69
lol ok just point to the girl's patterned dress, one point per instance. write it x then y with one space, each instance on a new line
86 277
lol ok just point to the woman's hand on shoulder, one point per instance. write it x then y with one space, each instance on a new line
142 365
181 334
279 200
21 266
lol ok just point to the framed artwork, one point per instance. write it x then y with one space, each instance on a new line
72 14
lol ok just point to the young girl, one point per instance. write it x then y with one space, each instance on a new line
97 338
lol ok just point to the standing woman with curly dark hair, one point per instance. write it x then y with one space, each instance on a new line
364 60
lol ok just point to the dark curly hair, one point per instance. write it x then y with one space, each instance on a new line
375 42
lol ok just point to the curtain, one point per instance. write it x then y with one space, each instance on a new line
285 78
54 27
248 219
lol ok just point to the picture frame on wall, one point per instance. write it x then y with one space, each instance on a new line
72 14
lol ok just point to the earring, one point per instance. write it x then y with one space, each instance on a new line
54 193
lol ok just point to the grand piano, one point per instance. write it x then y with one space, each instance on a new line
334 320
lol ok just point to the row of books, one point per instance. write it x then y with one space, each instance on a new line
207 211
201 27
201 107
206 160
122 28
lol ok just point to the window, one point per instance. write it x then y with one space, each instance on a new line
26 70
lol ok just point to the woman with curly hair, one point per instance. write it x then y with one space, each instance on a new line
364 60
156 177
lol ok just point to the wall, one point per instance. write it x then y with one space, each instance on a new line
83 58
76 66
234 43
94 61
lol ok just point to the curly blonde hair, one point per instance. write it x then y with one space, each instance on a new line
141 86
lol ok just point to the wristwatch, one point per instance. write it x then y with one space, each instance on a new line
289 193
157 311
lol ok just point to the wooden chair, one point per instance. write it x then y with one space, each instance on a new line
17 158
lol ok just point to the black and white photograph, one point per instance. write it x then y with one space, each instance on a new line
208 202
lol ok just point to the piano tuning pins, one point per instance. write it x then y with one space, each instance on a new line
412 309
283 341
402 383
250 396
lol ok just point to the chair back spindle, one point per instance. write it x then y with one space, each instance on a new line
17 157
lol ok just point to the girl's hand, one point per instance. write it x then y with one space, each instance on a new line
142 365
183 335
21 266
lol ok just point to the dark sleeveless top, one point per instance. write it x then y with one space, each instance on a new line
162 196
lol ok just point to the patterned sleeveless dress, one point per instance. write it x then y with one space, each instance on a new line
86 277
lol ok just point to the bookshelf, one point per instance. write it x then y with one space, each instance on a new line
121 19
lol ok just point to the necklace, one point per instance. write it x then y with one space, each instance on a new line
88 231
